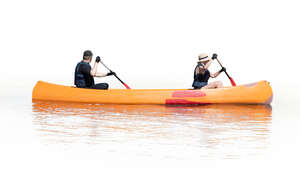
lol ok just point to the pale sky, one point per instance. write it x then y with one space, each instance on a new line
149 44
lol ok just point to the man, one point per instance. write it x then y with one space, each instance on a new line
84 74
202 74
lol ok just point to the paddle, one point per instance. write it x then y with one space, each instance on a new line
231 80
127 87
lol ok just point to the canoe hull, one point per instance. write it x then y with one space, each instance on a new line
255 93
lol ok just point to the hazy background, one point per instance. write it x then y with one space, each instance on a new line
150 44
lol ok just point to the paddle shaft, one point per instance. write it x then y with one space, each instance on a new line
127 87
231 80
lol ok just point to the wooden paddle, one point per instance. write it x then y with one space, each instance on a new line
231 80
127 87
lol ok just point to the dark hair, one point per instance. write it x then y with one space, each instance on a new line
87 54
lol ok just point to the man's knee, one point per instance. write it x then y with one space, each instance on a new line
105 85
100 86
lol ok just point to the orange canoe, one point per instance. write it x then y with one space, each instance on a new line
254 93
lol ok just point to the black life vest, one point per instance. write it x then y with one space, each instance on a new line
79 80
200 80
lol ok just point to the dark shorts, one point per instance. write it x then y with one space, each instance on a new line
99 86
199 85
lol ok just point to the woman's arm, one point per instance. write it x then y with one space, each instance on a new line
208 64
203 67
214 75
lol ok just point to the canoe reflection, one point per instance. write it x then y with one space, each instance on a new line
208 126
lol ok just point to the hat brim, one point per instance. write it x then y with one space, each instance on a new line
204 60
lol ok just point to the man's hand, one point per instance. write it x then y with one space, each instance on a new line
110 73
223 69
215 56
98 59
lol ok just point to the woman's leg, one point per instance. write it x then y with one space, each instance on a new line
100 86
213 85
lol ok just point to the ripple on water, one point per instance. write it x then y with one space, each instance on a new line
209 131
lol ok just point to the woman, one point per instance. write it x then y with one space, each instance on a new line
202 74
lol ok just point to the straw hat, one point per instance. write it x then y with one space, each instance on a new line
203 57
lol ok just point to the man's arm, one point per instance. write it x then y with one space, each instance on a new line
94 70
100 74
105 74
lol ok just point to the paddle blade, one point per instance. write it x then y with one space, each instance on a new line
232 82
127 87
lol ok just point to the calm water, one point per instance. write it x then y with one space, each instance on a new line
139 135
224 131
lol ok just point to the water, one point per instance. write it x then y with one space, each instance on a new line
206 132
175 139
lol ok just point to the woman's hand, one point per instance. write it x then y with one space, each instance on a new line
223 69
215 56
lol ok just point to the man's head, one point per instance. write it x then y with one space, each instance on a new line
87 55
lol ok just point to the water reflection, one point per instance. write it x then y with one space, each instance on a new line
226 131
